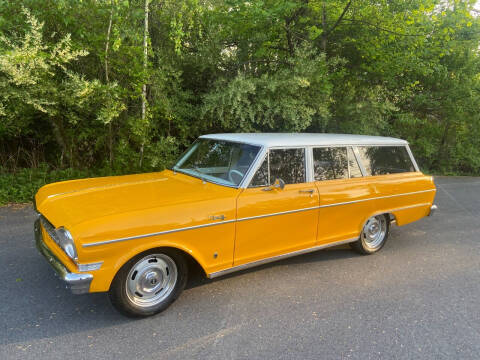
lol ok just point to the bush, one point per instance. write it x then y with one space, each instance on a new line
20 186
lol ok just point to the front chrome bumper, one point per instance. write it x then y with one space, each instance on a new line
78 283
433 208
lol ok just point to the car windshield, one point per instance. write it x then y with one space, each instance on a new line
218 161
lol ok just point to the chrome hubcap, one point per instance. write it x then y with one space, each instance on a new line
151 280
374 231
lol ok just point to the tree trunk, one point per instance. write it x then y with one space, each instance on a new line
443 149
324 27
107 80
290 45
144 88
60 137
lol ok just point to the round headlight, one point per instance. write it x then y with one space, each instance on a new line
67 243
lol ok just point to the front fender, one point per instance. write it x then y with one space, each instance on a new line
212 247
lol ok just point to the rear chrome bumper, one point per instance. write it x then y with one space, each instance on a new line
433 208
78 283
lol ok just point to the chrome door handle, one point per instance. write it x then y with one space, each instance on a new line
308 191
217 217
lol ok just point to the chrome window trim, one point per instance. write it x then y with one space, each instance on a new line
260 163
309 164
252 218
359 162
348 163
268 168
278 257
412 158
354 159
340 145
253 168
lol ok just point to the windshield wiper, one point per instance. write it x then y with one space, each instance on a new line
197 169
193 171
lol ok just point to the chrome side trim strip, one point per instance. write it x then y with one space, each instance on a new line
376 198
157 233
90 266
247 218
400 209
411 207
278 257
278 213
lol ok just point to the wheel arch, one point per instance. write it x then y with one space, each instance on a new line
188 254
391 217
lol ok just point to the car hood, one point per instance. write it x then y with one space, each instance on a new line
71 203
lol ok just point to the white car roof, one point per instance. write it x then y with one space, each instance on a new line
304 139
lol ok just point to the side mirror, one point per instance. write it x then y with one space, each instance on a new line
279 184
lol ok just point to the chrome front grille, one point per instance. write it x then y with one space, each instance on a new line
50 229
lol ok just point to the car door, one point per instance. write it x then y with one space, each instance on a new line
344 194
272 219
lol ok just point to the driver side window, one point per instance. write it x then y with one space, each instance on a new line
285 164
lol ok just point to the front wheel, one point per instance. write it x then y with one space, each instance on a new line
149 283
374 235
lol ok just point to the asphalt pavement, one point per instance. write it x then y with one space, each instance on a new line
419 298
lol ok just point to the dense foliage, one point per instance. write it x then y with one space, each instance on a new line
115 86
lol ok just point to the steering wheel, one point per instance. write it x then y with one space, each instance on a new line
237 173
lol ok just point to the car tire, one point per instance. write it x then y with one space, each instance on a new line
149 283
374 235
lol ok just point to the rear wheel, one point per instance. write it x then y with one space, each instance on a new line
374 235
149 283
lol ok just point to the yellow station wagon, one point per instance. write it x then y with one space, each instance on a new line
232 201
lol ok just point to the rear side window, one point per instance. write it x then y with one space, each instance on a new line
335 163
383 160
285 164
330 163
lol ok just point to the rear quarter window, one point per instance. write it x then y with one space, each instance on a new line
383 160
